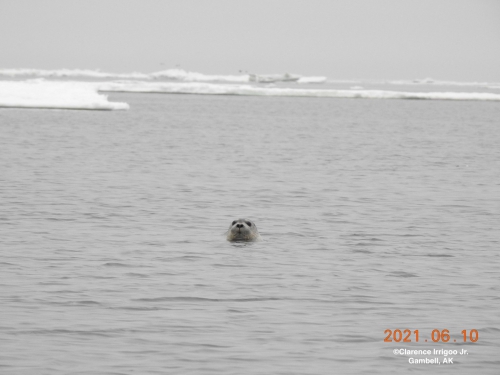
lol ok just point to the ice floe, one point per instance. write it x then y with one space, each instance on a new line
49 94
232 89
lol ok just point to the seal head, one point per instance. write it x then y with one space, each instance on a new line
243 230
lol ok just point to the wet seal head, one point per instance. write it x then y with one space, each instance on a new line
243 230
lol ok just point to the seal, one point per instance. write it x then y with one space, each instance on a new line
243 230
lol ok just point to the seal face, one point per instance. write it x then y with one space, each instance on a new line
242 230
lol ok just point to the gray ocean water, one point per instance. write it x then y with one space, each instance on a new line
374 215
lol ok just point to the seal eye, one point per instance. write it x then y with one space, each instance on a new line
234 222
248 223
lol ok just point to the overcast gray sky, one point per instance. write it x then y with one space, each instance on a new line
341 39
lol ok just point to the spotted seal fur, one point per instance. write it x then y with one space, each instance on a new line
243 230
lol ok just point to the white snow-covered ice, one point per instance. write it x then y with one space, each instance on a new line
412 82
70 73
182 75
49 94
45 93
231 89
168 74
319 79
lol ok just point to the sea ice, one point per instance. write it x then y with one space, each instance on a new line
232 89
39 93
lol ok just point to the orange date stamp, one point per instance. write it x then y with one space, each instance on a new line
407 335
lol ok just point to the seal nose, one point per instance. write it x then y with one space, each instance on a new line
239 225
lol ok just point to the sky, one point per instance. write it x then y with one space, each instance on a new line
456 40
